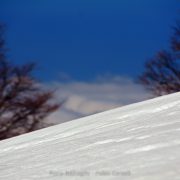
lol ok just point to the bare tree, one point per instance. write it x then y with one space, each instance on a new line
162 73
23 102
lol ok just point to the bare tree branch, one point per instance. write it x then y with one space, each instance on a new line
162 73
23 104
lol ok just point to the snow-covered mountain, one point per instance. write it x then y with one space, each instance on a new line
136 142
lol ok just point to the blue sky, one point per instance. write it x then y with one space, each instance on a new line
85 39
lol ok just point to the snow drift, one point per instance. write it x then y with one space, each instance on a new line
140 142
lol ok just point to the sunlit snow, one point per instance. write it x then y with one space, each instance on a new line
136 142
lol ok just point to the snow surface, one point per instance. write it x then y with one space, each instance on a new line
140 142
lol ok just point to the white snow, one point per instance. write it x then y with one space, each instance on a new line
136 142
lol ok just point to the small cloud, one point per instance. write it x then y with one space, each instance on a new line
104 93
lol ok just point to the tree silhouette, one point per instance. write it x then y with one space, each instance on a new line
162 73
23 102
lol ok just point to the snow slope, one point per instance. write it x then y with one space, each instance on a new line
137 142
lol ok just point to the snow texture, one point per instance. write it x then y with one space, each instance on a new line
136 142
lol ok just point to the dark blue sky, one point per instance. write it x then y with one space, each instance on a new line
87 38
